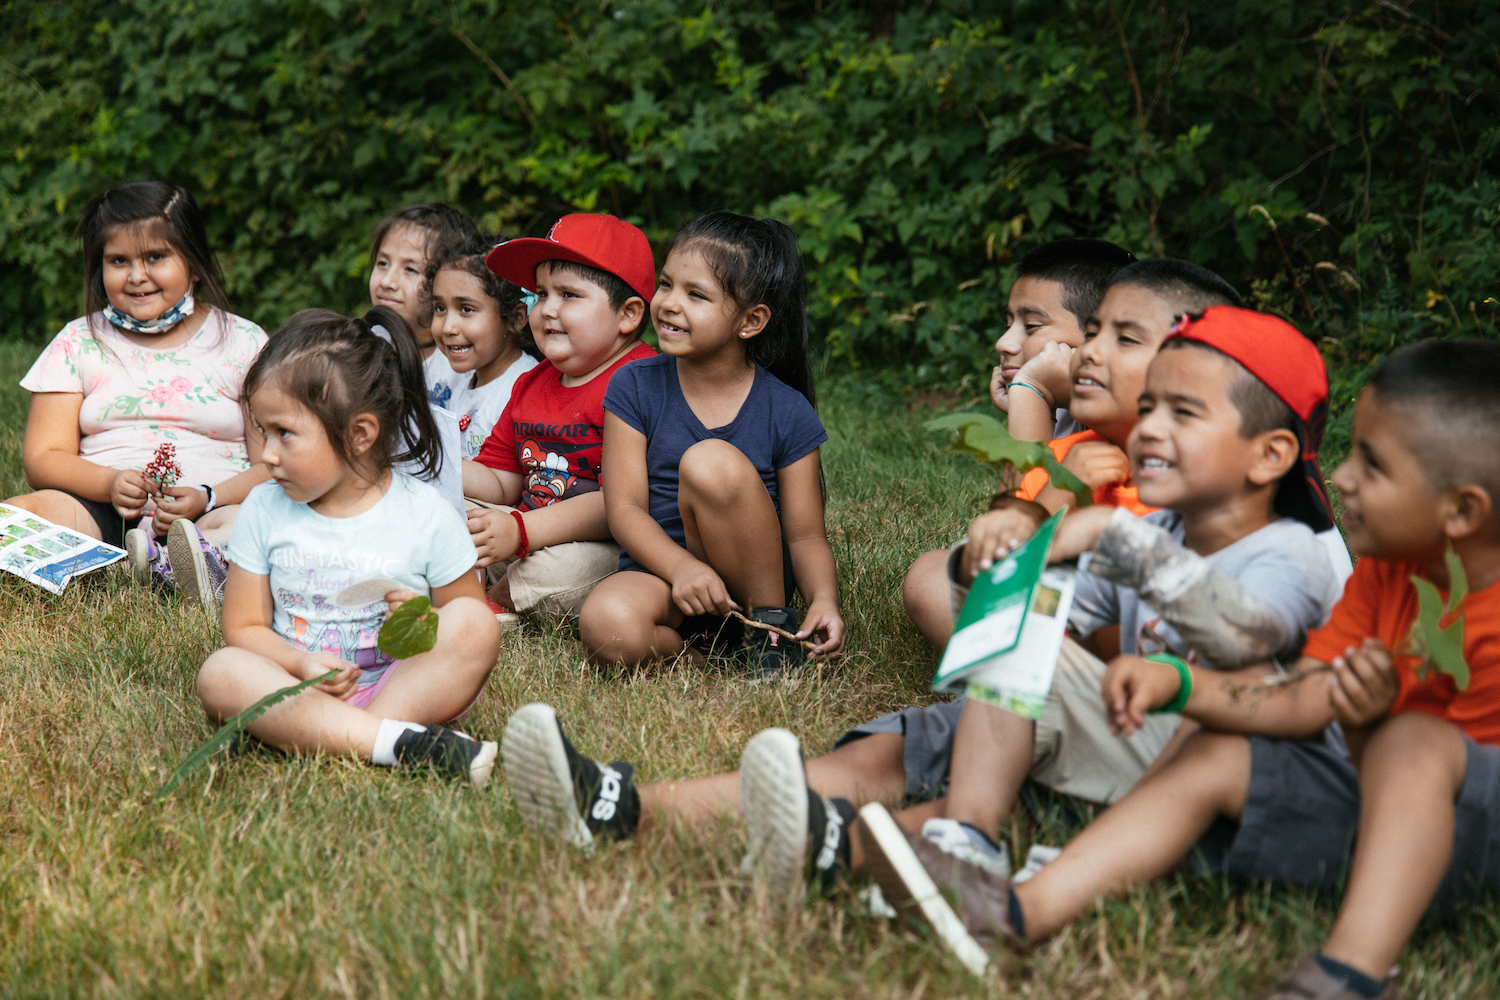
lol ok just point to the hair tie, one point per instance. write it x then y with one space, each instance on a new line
382 333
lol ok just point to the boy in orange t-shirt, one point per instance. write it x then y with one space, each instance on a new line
1420 778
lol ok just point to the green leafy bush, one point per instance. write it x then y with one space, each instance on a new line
1332 160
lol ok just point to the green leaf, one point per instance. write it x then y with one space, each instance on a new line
1442 648
230 729
410 631
989 440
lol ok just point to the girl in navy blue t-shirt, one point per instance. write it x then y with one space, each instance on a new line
710 468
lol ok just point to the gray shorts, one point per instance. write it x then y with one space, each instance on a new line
1302 813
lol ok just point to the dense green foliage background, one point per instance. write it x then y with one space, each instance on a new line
1334 160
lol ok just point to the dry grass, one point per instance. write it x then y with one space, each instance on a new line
309 877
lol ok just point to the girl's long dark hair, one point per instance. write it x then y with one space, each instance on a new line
171 213
338 368
756 262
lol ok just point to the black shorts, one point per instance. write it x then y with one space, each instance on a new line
112 526
1302 814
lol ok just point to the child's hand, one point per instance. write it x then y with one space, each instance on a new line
128 492
999 391
176 502
1364 685
824 617
1052 372
312 665
1097 463
1132 687
698 590
993 534
395 598
495 534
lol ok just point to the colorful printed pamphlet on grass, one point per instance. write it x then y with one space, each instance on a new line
1008 635
48 554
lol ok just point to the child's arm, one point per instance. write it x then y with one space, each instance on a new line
799 487
497 536
1236 702
696 588
492 485
1042 385
49 456
190 502
248 612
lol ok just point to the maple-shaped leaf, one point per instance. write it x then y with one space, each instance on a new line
989 440
410 630
1441 648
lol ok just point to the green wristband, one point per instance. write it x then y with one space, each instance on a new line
1184 688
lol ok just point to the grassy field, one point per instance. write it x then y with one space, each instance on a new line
325 877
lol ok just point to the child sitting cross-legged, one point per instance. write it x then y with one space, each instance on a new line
543 535
157 360
1265 793
479 326
321 555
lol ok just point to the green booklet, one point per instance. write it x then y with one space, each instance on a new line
1008 635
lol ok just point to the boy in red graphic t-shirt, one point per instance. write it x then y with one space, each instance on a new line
543 535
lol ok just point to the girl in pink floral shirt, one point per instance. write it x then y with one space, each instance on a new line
157 359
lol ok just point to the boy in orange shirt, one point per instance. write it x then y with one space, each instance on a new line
1420 780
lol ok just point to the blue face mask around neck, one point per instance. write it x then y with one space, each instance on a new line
181 311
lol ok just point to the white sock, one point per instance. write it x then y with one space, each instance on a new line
385 740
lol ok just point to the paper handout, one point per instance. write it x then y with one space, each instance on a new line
1008 635
48 554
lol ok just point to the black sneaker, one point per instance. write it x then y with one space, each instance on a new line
772 655
560 792
448 752
797 838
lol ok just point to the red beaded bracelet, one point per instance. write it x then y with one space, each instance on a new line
525 548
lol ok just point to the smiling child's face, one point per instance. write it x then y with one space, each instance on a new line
574 324
1109 370
1186 451
1390 510
144 275
398 277
1034 318
690 312
467 325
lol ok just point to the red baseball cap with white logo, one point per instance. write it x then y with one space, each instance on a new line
599 241
1289 364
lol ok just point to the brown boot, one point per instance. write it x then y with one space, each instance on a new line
1308 981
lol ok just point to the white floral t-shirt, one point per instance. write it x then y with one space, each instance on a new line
477 408
136 398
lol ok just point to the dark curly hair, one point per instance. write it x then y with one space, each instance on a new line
468 256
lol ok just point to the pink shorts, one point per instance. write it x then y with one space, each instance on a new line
368 689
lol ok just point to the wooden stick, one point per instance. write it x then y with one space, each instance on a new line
805 644
1235 689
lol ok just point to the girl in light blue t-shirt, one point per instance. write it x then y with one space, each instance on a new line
322 554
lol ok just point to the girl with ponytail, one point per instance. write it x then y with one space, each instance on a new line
712 482
321 555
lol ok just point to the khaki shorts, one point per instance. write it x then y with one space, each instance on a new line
554 580
1074 751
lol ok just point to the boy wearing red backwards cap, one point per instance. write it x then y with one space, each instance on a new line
1423 785
1226 444
593 275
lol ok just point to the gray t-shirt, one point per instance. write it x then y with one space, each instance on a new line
1282 564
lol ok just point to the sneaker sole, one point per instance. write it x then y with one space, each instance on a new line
773 802
508 620
906 886
138 553
185 553
536 768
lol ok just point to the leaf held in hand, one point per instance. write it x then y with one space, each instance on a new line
410 631
989 440
1442 649
231 728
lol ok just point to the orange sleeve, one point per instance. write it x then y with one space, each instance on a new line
1037 479
1356 616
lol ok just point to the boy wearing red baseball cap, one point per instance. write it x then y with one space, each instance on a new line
544 537
1266 793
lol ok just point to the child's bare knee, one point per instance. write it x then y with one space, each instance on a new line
469 625
1421 745
713 467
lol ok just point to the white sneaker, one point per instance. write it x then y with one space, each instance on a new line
1037 858
957 840
773 802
